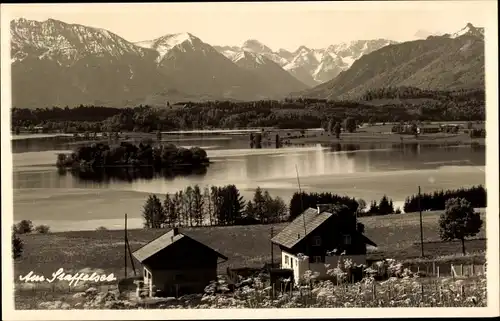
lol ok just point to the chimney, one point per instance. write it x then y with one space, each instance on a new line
321 207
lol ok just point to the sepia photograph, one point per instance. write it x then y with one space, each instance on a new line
288 157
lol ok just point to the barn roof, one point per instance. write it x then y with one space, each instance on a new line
294 232
163 242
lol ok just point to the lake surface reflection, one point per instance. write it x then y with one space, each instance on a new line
68 201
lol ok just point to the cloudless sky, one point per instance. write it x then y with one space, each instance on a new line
278 25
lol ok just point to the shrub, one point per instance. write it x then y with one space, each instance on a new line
25 226
17 245
42 229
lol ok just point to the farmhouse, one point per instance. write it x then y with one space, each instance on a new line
322 237
176 264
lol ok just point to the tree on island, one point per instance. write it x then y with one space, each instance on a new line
350 124
337 129
459 221
329 127
257 140
100 155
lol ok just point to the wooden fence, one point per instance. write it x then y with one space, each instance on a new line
434 269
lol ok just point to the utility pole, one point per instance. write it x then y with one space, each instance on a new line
421 227
272 248
303 217
125 245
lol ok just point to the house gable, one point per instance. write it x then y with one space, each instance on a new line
325 234
174 251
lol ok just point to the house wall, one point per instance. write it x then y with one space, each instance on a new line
331 261
186 264
292 263
183 281
331 238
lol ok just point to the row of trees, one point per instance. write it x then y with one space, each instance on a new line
384 207
214 206
219 206
296 113
127 154
225 206
436 201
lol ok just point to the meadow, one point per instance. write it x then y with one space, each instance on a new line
397 236
403 288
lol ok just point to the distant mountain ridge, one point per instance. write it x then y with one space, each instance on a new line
447 62
311 66
55 63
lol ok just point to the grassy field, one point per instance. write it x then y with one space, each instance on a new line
397 236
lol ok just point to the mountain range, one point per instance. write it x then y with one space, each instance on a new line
310 66
447 62
57 64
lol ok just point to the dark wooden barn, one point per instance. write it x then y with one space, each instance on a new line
175 264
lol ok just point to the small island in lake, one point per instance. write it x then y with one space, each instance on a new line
125 154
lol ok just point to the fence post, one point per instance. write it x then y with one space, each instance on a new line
473 274
461 270
438 271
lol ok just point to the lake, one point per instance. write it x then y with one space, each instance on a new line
67 202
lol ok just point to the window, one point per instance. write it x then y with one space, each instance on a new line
317 241
145 273
347 239
179 277
316 259
291 264
287 259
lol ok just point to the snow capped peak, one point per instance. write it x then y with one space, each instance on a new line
165 44
469 29
65 43
256 46
249 57
302 49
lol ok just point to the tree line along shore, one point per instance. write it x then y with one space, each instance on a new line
404 104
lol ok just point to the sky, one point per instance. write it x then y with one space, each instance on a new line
285 25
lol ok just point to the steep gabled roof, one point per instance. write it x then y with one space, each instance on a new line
294 232
366 239
163 242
